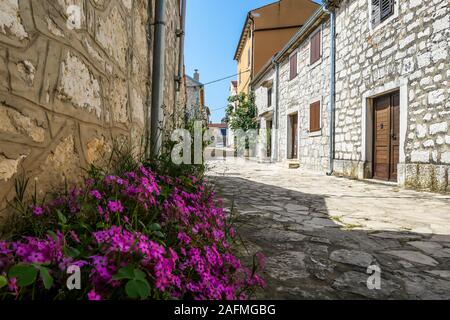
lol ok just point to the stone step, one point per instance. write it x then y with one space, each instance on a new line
293 164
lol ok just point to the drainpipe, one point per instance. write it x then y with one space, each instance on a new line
332 88
277 90
159 49
181 34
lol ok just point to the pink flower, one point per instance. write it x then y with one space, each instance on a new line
96 194
38 211
115 206
92 296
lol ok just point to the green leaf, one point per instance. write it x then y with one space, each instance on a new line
25 274
71 252
160 234
137 289
53 235
3 281
125 273
139 274
155 227
62 217
47 279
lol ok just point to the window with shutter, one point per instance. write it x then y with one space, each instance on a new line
314 117
386 9
314 45
293 66
381 10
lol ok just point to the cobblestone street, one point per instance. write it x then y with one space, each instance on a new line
320 234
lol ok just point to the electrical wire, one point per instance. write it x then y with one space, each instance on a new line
222 79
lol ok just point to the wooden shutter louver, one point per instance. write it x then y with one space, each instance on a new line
375 12
315 53
314 117
386 9
293 66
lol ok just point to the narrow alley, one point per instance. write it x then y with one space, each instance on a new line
320 234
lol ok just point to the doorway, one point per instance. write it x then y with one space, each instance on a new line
386 136
269 138
293 124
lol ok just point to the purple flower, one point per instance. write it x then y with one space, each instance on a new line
92 296
38 211
115 206
96 194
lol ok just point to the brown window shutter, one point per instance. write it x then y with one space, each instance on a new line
314 117
315 53
293 66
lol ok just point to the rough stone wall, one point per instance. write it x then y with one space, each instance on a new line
174 101
193 100
311 84
65 94
409 53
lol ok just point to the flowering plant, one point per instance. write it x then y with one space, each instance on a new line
135 235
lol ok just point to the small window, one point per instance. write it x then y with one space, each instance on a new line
293 66
381 10
314 47
314 117
269 97
249 57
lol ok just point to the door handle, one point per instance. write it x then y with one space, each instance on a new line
394 136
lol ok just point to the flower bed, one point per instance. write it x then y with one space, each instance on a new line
138 235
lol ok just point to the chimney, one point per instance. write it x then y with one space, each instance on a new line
196 75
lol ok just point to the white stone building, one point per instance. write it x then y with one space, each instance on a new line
195 98
392 91
384 92
295 87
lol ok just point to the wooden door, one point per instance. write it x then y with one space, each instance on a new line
386 136
294 137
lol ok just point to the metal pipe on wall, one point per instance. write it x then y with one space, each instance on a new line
332 88
181 34
277 115
159 49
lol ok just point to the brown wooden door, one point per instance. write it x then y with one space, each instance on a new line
386 136
294 137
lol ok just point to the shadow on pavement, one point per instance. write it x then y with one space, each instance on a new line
311 256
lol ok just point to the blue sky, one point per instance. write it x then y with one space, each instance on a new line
213 28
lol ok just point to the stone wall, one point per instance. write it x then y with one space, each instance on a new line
408 53
174 99
311 84
66 93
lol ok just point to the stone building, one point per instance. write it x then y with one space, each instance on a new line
392 92
195 97
295 86
384 92
74 76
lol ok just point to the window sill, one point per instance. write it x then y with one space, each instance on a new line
382 24
315 133
314 64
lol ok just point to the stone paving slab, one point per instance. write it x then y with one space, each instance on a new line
320 234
